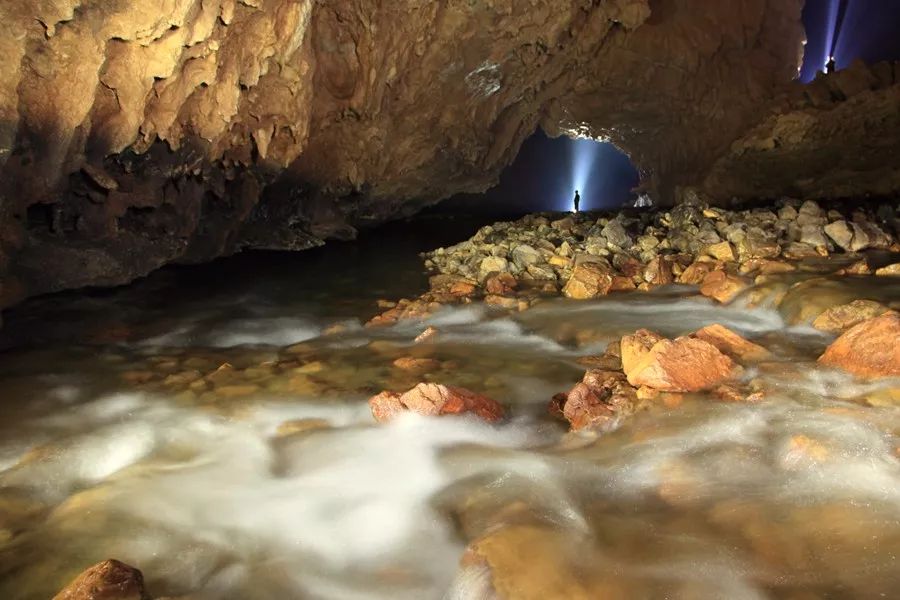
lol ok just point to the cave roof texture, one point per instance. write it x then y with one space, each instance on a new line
135 134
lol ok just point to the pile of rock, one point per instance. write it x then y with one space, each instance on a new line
586 256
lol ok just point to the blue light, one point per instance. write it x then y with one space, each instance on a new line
585 177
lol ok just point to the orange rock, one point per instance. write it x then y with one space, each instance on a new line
868 349
860 267
722 286
634 347
108 580
697 272
432 399
659 271
500 284
463 289
732 344
588 280
840 318
889 271
621 284
681 365
600 398
426 335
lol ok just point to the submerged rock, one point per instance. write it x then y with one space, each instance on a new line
108 580
433 399
840 318
869 349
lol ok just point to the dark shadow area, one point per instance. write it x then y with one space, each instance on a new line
545 175
850 30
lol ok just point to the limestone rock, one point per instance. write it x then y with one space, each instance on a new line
869 349
588 280
730 343
840 318
432 399
681 365
108 580
722 286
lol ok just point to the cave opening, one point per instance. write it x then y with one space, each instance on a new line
547 172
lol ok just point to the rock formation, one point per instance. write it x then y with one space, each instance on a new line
132 135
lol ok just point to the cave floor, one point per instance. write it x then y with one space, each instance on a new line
209 425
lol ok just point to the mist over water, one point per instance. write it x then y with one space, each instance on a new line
292 491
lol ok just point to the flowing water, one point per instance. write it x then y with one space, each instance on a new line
209 425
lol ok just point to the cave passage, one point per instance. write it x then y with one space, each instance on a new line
545 175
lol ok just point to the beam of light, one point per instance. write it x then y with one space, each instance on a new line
831 26
585 177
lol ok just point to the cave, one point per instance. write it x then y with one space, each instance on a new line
463 299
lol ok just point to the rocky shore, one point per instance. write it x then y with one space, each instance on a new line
588 255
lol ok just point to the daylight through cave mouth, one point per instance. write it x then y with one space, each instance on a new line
546 173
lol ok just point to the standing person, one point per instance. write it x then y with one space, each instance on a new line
577 200
830 65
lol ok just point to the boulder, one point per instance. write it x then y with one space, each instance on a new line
600 398
615 234
869 349
659 271
433 399
840 233
682 365
588 280
108 580
722 286
840 318
732 344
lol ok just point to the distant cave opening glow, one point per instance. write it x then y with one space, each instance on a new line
847 30
546 173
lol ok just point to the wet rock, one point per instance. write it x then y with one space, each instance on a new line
542 572
840 318
500 284
633 348
697 272
432 399
723 287
108 580
860 267
299 426
681 365
427 334
889 271
588 280
659 271
869 349
599 400
732 344
416 365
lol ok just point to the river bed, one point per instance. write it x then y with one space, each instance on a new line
209 425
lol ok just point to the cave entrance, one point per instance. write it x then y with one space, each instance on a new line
545 175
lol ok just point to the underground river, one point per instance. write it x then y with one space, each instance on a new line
210 426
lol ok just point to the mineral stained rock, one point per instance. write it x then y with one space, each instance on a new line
136 134
108 580
432 399
870 349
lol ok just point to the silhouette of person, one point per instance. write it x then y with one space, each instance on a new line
830 65
577 200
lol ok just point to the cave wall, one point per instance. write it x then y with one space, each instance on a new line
135 134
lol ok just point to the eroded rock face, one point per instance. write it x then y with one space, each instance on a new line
133 134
